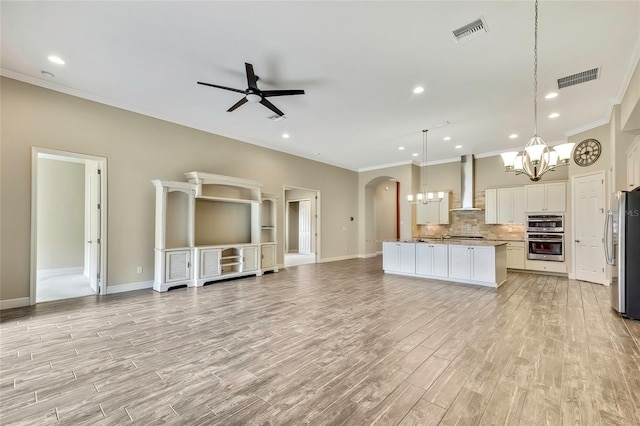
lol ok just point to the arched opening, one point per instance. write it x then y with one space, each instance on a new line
382 213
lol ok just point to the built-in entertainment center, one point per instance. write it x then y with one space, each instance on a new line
212 227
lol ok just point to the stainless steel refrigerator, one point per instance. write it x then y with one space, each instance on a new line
622 249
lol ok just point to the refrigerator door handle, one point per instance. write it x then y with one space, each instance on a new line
606 238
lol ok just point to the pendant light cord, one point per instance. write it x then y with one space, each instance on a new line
535 75
424 159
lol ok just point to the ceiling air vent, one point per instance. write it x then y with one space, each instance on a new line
581 77
471 31
276 117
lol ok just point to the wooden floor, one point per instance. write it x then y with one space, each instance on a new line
336 343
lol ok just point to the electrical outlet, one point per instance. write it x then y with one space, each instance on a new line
139 269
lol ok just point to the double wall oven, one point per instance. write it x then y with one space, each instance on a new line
545 237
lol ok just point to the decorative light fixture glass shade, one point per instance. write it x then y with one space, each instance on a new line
424 197
536 159
253 98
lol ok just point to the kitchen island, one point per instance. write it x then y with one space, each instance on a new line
479 262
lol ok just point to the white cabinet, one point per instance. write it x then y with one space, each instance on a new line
459 262
434 213
399 257
218 222
633 165
504 205
491 207
432 260
178 266
208 264
544 197
268 258
474 263
515 255
250 258
481 265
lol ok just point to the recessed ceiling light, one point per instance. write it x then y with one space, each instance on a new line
418 89
458 146
285 135
554 115
56 60
513 136
401 148
447 138
415 154
551 95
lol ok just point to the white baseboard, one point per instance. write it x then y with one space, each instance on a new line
368 255
142 285
14 303
44 273
336 259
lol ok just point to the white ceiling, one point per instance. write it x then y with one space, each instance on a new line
357 61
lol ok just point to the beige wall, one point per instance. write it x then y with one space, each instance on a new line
384 213
630 105
139 149
60 214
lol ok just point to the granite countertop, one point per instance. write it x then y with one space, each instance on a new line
460 242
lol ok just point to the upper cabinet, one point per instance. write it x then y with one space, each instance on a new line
505 205
545 197
434 213
633 165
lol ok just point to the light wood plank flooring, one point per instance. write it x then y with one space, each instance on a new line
335 343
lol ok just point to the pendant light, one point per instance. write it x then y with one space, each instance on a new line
424 197
536 159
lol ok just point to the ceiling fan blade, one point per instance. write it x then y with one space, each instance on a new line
271 106
222 87
252 80
238 104
268 93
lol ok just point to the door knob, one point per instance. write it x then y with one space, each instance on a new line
577 241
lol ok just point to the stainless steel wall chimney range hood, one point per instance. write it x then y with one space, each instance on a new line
467 184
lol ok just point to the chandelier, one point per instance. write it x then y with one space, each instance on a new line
536 159
424 197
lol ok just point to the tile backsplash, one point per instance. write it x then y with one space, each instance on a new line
472 223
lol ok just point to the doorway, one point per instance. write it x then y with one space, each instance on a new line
301 226
588 223
68 226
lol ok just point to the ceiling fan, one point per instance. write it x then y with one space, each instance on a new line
253 94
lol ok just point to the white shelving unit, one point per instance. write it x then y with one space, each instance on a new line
212 227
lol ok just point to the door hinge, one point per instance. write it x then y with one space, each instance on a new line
98 240
98 275
98 206
602 269
99 171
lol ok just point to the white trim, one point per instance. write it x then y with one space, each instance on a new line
386 166
590 126
143 111
43 273
368 255
601 174
317 249
122 288
14 303
37 152
625 82
338 258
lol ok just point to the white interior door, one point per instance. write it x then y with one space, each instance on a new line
588 218
93 224
304 227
